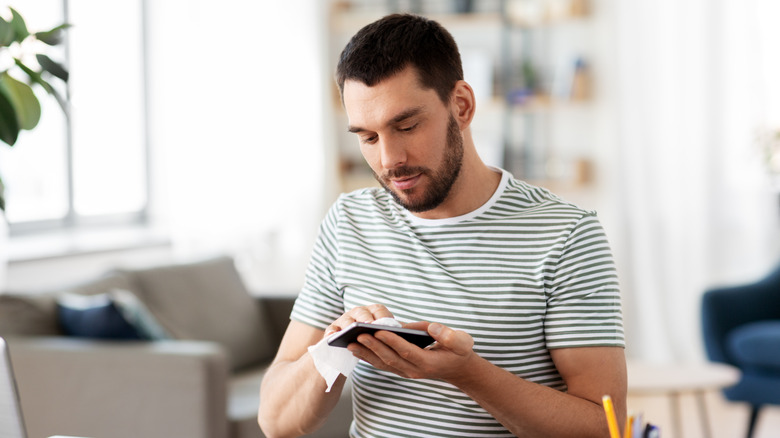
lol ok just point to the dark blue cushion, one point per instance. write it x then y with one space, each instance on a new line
100 319
756 345
113 315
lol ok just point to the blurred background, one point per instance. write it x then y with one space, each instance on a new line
201 128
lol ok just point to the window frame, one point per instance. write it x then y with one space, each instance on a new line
72 221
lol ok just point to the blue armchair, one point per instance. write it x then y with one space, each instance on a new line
741 327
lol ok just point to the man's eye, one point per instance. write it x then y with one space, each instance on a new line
408 128
368 140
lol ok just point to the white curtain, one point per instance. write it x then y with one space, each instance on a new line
696 80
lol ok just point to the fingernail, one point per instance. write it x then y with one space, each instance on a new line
435 329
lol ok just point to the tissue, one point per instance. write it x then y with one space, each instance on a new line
391 322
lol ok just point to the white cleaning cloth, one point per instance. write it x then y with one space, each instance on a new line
332 361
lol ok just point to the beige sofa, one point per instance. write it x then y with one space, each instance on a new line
201 382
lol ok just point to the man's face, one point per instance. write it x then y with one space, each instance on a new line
408 137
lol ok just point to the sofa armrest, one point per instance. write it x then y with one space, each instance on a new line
725 308
121 389
277 309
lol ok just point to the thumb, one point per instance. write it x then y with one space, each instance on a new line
457 341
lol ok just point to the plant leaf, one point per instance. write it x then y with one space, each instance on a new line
23 100
34 75
9 127
36 78
52 67
19 26
2 195
54 36
6 33
62 101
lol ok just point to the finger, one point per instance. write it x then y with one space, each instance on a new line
331 329
417 325
368 313
457 341
364 353
342 322
380 354
378 311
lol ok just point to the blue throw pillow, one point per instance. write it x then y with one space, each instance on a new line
114 315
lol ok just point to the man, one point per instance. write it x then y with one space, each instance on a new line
517 287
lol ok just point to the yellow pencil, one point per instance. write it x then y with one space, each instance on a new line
629 424
614 432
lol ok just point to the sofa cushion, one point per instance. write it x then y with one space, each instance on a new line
207 301
756 345
103 284
117 314
28 315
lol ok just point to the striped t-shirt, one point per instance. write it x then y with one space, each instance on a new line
524 273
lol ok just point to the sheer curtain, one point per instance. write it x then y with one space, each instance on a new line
695 81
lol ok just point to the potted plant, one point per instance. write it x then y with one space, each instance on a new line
24 64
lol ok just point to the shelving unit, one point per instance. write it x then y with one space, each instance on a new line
520 56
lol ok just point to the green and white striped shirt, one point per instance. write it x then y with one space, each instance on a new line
525 273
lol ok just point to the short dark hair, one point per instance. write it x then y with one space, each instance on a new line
390 44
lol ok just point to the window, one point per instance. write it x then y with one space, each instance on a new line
91 167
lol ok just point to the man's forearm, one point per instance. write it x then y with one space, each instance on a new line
530 409
293 400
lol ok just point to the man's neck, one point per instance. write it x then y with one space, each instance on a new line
475 185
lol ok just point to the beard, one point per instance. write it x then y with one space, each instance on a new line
441 179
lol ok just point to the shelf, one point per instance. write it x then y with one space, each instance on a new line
545 103
536 14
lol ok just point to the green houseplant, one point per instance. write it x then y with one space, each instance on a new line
20 51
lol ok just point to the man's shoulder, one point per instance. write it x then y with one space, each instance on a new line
367 204
371 192
521 196
369 197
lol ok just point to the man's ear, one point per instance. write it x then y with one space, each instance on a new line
463 104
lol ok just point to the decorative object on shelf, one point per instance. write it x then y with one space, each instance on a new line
572 81
413 6
580 83
463 6
536 12
19 48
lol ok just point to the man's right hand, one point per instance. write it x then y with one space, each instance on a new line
368 313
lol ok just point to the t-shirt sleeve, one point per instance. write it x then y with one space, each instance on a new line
321 300
584 294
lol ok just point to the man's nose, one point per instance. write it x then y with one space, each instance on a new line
393 153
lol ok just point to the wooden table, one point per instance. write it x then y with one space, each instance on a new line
673 380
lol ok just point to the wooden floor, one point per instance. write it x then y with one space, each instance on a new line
727 419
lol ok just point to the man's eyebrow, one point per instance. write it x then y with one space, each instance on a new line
400 117
409 113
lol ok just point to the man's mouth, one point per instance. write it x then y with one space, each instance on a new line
406 182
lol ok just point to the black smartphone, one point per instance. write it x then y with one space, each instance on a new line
345 337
